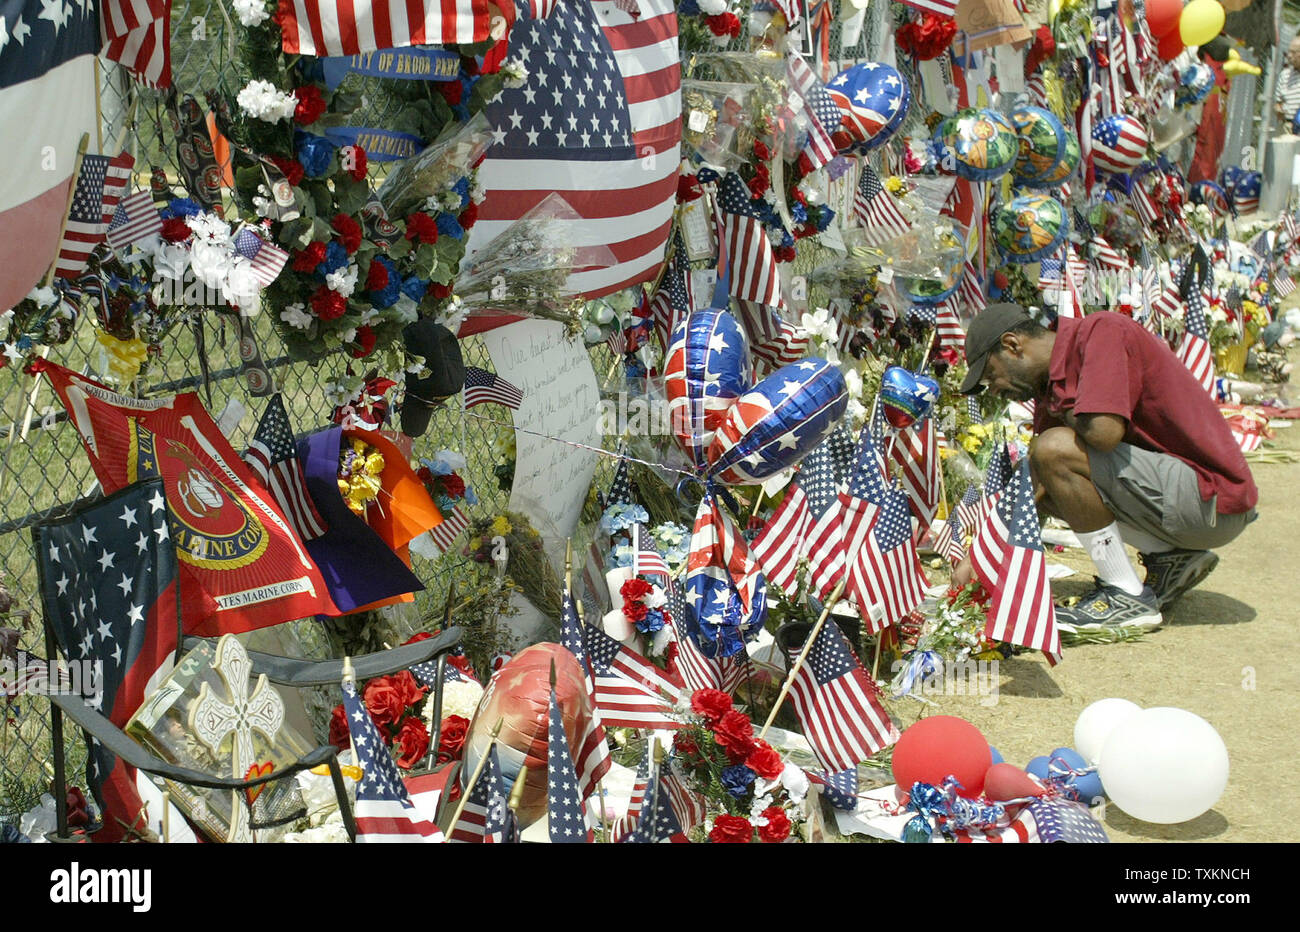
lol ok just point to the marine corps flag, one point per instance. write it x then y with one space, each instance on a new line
242 565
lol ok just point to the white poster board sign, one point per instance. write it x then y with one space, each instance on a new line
561 401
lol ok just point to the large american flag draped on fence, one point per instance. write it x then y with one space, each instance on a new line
137 34
837 703
345 27
1007 555
273 457
384 811
599 122
99 187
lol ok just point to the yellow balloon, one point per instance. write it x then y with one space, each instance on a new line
1234 65
1201 21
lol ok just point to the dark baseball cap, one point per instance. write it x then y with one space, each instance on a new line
984 336
446 376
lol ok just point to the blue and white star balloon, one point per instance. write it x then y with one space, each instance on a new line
707 369
874 100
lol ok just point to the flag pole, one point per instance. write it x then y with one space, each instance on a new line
803 654
99 111
473 780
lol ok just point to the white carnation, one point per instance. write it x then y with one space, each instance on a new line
515 73
296 316
343 280
44 297
209 228
262 100
251 12
458 698
712 7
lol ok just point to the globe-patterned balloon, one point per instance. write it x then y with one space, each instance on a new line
1042 143
873 99
1119 143
1245 193
977 144
777 422
1194 85
1069 162
707 369
1030 227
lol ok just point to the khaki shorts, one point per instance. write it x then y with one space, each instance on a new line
1159 494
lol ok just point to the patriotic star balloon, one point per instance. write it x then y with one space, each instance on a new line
1119 143
1245 193
778 422
707 369
873 99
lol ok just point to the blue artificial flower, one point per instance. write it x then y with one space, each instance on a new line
799 213
635 370
180 207
786 238
448 225
652 622
336 257
738 779
620 556
461 187
316 153
387 297
414 288
824 218
470 497
620 517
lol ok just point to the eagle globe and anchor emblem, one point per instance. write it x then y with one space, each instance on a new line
213 529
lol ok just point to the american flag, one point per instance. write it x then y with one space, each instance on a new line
620 490
137 34
646 560
780 544
486 818
883 567
445 534
267 259
338 27
384 811
948 331
99 188
1195 351
482 387
593 756
659 821
972 291
427 673
773 341
273 457
1105 255
1283 284
877 210
673 300
840 789
696 670
134 219
1007 554
631 692
624 826
687 805
950 542
916 452
837 703
598 121
823 113
973 410
751 265
566 819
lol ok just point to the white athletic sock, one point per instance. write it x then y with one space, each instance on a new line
1106 548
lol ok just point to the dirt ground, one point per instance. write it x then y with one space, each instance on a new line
1224 653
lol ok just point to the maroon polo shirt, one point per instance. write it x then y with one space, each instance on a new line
1106 363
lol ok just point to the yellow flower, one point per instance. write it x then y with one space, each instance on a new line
374 464
343 487
894 185
500 526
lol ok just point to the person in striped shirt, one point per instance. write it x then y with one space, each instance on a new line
1287 97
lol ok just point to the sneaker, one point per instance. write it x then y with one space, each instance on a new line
1172 573
1111 607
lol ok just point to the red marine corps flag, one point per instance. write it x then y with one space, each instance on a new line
242 565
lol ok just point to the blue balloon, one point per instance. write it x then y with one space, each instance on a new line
707 369
906 396
1089 785
873 99
1038 767
997 755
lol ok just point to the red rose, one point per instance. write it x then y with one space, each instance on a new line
453 485
764 761
365 341
310 104
340 736
175 230
635 589
735 735
761 151
710 704
376 277
408 688
291 169
328 305
724 24
469 216
439 291
305 260
451 742
384 700
412 743
731 830
422 228
777 827
349 232
451 91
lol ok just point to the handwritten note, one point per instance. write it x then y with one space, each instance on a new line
561 401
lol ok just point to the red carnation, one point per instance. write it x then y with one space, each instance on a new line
310 104
304 260
731 830
291 168
349 232
634 611
724 24
735 735
710 704
412 743
358 162
377 277
438 291
635 589
175 230
765 761
328 305
365 341
421 228
451 91
453 485
468 217
761 151
783 253
777 828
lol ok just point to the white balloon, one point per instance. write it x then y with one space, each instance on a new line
1096 723
1164 766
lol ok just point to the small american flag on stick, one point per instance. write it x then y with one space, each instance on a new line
482 386
99 187
273 458
135 219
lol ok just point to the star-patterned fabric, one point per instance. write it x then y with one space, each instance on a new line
566 822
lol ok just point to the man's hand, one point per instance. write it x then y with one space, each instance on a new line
963 572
